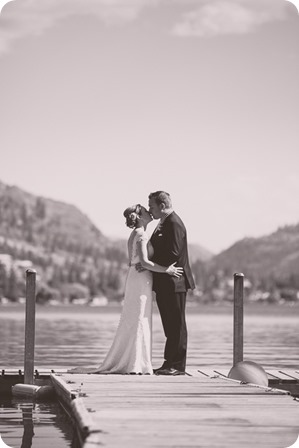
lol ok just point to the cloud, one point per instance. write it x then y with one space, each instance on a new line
20 18
32 17
218 17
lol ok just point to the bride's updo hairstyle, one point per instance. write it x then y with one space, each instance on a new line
132 214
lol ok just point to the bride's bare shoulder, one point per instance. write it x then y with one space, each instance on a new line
142 235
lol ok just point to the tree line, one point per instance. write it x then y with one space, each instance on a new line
64 276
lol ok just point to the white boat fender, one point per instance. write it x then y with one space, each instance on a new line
249 372
30 390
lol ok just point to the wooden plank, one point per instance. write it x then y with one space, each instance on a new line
184 411
208 373
226 386
281 376
39 370
82 416
11 372
272 374
289 374
285 374
63 389
193 372
221 371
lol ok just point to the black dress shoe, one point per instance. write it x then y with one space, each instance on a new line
161 368
171 372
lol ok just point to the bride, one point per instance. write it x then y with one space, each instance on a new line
131 349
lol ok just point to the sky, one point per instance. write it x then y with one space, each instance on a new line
105 101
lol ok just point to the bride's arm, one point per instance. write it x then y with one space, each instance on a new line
151 266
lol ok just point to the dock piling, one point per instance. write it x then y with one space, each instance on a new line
238 318
29 327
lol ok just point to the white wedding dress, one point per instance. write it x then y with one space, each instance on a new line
131 349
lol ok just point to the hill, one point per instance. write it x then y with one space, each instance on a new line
273 256
270 265
61 243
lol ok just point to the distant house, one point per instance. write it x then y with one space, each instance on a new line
6 260
23 264
99 301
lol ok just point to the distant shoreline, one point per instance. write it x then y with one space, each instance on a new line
249 309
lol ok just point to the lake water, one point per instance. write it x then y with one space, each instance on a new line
80 336
35 425
77 336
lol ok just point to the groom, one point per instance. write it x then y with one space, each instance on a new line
169 241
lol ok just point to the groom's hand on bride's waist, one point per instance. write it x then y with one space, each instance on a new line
139 267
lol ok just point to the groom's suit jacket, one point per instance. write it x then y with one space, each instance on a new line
170 245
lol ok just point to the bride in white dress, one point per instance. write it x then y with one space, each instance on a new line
131 349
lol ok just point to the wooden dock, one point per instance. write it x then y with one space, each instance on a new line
201 409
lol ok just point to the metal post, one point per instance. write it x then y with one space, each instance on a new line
238 318
29 327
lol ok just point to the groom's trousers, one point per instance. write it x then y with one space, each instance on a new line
172 310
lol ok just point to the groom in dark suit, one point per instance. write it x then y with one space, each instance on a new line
169 241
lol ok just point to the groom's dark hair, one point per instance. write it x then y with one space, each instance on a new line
161 197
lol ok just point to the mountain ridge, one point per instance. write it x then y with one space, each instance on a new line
270 262
68 249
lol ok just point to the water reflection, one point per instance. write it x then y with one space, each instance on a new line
29 424
28 434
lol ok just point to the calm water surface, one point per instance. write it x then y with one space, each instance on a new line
34 425
78 336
